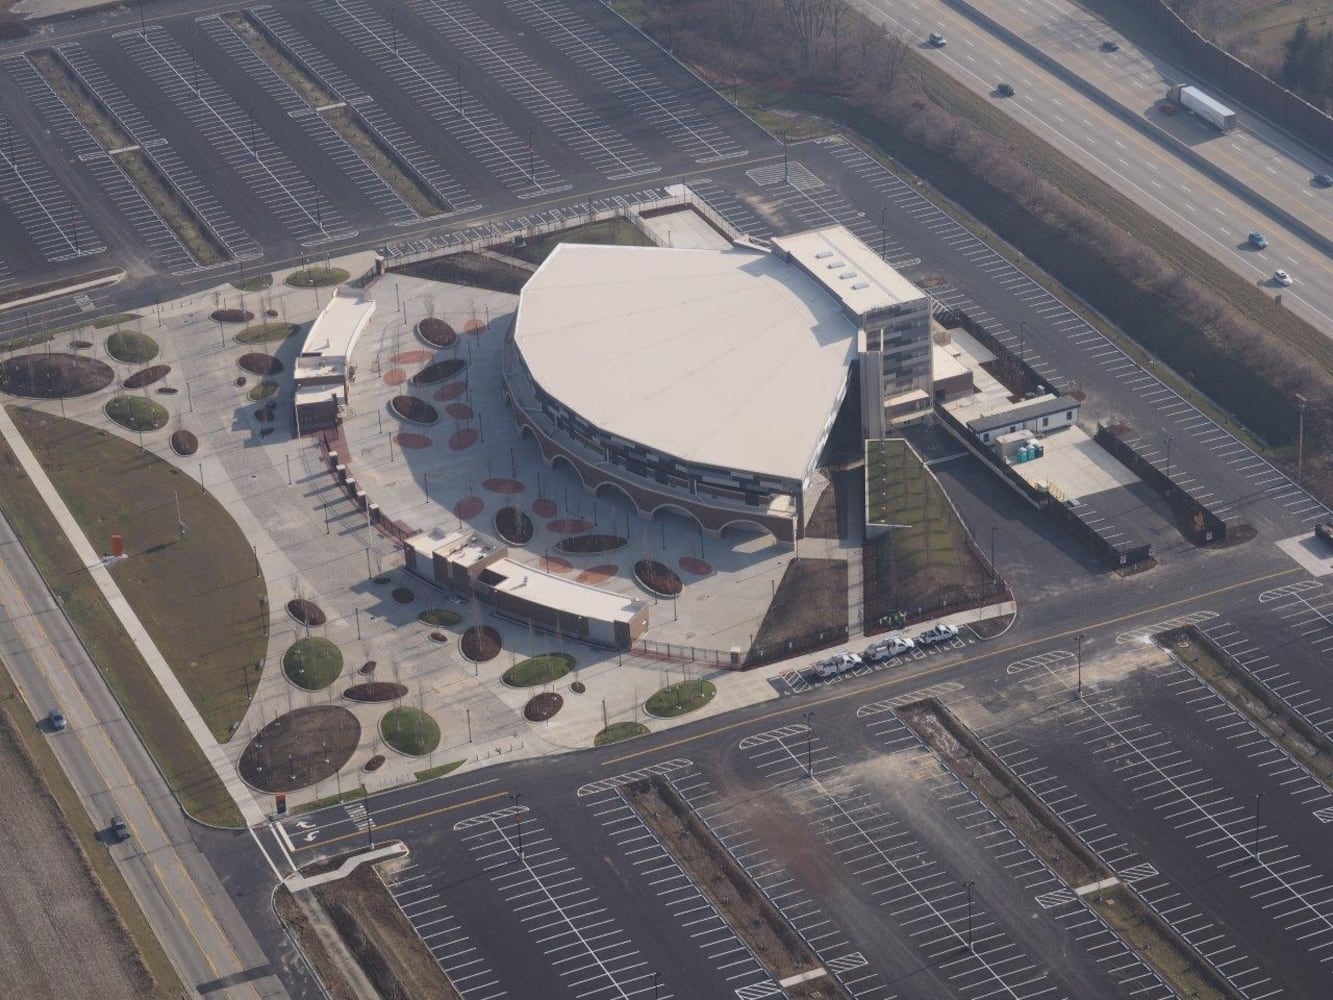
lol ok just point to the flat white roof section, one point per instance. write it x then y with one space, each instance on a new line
335 330
849 269
728 358
561 595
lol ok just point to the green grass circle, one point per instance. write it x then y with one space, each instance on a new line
618 731
254 283
312 663
538 670
265 333
137 413
317 277
439 618
680 698
263 390
410 731
131 348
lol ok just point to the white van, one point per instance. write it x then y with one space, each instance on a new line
838 663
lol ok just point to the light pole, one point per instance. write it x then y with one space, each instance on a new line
370 821
809 740
1022 338
1258 799
994 573
657 983
1168 461
1079 639
1300 437
969 914
518 823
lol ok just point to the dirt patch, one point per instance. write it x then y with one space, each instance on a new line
416 410
184 443
823 521
808 611
146 376
541 707
513 526
659 578
306 612
52 376
231 315
300 748
480 643
470 269
595 575
441 371
437 332
589 544
376 691
260 364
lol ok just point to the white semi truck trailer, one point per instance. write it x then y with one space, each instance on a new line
1194 100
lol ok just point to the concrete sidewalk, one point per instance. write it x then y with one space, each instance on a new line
162 671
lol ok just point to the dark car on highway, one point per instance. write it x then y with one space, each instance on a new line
1005 90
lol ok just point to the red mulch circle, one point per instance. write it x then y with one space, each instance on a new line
502 485
409 440
184 443
465 438
658 578
586 545
436 332
376 691
541 707
306 612
374 764
395 376
544 508
570 526
480 643
291 751
696 566
410 357
468 508
594 575
451 391
473 327
146 376
231 316
459 411
554 564
260 364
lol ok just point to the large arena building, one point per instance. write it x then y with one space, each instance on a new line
707 381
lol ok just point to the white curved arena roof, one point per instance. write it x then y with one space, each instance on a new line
729 358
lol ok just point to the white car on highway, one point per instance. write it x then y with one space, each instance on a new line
889 646
1282 278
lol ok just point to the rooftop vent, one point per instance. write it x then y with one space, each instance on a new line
847 274
860 285
837 263
823 253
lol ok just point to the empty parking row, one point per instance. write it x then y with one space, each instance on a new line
56 226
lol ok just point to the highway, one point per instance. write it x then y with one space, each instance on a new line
1124 139
204 935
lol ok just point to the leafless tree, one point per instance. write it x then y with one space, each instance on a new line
808 20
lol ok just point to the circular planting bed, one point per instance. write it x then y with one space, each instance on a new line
481 643
543 507
184 443
403 596
410 731
263 390
589 544
374 764
376 691
260 364
578 687
395 377
439 638
500 484
80 345
441 371
266 333
312 663
367 668
657 578
570 526
306 612
418 411
460 411
253 283
697 567
240 381
618 731
474 327
468 508
466 438
554 564
137 413
317 277
231 316
300 748
131 348
166 390
52 376
436 332
451 391
680 699
410 441
513 526
146 376
410 357
439 618
541 707
595 576
538 670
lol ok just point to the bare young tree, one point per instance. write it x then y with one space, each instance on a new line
808 20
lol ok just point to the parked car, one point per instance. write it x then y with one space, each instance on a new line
120 830
940 633
57 721
1282 278
1110 46
937 40
838 663
1323 180
1005 90
889 646
1258 240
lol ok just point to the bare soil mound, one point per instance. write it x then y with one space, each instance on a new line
437 332
300 748
146 376
231 316
481 643
306 612
657 578
51 376
541 707
376 691
184 443
260 364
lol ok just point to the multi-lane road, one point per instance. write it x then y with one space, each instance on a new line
1102 109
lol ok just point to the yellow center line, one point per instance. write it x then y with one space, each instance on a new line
861 691
406 819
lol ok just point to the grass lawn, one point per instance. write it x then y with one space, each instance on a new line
808 611
317 277
612 232
538 670
254 283
312 663
137 413
187 770
618 731
410 731
680 698
263 390
131 348
439 771
116 320
198 596
439 618
266 333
